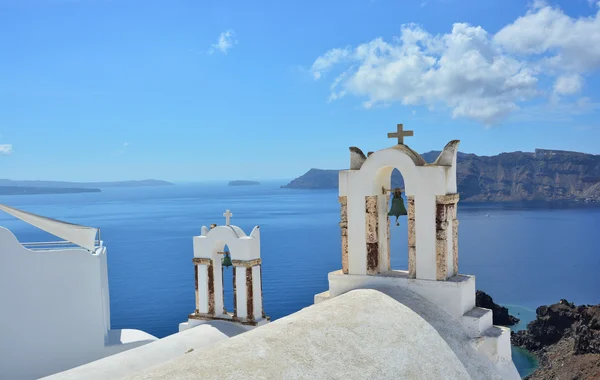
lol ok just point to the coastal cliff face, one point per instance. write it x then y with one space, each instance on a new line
315 179
545 175
566 340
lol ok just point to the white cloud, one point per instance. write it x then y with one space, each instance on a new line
125 144
568 84
570 43
225 42
329 59
6 149
472 73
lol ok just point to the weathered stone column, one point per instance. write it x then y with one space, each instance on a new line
344 226
223 288
262 306
211 288
388 239
445 236
247 306
372 234
455 240
412 238
197 309
249 295
234 295
205 290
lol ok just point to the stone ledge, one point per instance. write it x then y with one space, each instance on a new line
228 318
246 263
447 199
202 261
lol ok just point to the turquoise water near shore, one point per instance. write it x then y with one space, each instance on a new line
525 255
525 362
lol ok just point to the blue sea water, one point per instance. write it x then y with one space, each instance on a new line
522 255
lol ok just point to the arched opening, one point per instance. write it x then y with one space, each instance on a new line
228 286
398 234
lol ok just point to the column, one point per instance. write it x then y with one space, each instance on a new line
257 292
240 291
455 240
197 309
262 306
412 238
383 232
211 288
248 289
385 261
234 294
445 236
203 285
372 234
344 226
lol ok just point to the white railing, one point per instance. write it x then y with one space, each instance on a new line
54 245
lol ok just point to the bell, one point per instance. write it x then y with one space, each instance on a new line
397 208
226 260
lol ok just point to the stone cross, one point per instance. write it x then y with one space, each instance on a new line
400 134
227 216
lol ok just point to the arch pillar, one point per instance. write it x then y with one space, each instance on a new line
412 238
424 233
446 236
205 291
248 289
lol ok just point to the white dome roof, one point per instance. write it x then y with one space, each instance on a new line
363 334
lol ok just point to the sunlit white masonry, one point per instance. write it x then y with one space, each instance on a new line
372 323
55 301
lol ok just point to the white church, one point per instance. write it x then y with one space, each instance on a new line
372 323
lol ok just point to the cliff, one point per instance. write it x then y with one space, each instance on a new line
545 175
566 340
315 179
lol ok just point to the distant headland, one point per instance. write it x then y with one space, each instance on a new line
10 187
243 183
544 175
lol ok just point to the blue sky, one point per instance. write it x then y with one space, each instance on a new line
196 90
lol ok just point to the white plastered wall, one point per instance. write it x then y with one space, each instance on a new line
55 310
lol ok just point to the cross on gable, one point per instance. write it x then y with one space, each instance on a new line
227 216
400 134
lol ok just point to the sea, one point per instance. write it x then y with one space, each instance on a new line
524 255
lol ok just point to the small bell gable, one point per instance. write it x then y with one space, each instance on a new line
211 259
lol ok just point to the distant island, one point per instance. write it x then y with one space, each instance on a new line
243 183
24 190
544 175
11 187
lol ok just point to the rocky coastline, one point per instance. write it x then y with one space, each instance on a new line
565 338
500 314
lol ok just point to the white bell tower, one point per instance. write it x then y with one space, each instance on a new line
431 192
247 275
